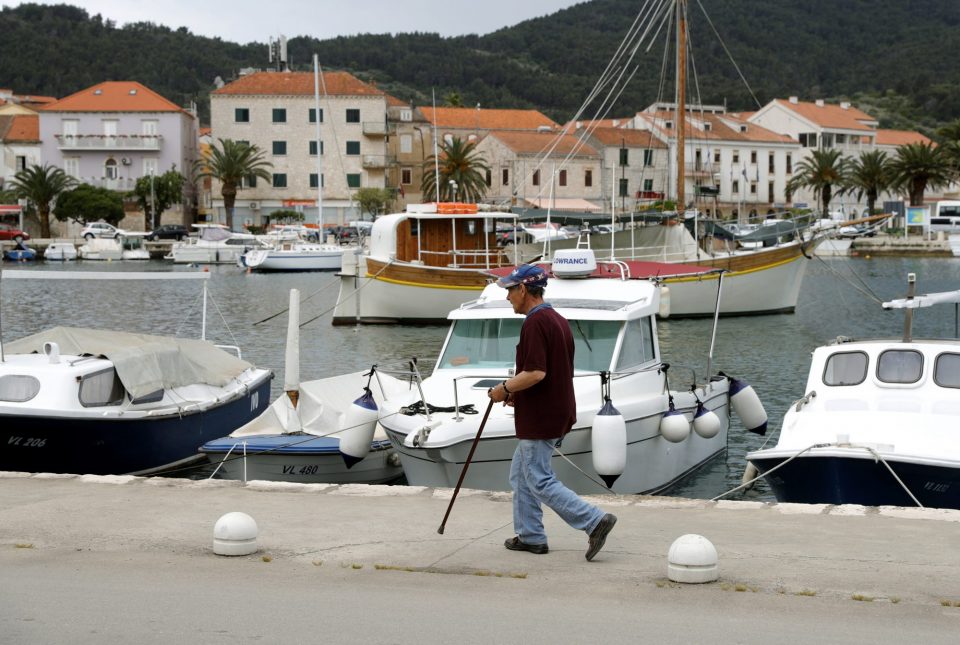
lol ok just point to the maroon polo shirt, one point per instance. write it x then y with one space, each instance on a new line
548 409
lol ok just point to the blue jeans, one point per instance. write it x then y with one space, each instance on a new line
534 482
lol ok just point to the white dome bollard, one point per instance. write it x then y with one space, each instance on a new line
692 558
235 534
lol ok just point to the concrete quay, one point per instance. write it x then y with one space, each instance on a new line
898 246
118 559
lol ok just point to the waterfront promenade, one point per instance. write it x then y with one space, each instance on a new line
122 559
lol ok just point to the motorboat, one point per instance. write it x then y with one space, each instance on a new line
876 423
664 434
215 244
294 255
305 435
105 249
133 246
420 264
90 401
60 252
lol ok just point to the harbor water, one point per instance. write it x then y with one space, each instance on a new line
839 297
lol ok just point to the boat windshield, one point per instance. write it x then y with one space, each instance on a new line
492 343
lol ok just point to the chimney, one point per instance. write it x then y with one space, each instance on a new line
819 102
794 100
844 105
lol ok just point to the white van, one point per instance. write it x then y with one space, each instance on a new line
945 216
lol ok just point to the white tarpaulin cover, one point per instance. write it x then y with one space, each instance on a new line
144 363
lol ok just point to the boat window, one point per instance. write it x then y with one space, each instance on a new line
845 368
482 343
17 388
946 371
637 347
594 341
900 366
101 388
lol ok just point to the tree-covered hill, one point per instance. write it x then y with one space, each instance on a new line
893 54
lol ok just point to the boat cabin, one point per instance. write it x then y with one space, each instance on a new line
612 319
451 235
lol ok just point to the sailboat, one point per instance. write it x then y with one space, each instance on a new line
299 254
761 276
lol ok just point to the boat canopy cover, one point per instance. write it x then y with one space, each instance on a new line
144 363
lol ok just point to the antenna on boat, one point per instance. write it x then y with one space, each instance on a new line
908 313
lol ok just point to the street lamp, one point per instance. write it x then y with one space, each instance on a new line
453 187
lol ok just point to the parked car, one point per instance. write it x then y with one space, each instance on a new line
347 233
168 232
8 232
100 229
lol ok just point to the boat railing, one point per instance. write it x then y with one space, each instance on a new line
232 348
470 258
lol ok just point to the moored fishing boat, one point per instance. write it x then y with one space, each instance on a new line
421 264
611 308
93 401
876 424
322 431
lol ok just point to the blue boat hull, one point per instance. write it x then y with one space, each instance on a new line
843 480
119 446
300 458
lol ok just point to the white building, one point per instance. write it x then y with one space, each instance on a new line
276 112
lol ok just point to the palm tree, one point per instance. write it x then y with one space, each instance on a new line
919 166
40 185
460 163
229 164
950 138
868 175
821 171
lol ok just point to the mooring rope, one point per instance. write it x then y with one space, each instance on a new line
349 295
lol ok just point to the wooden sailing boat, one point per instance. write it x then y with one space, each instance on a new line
759 280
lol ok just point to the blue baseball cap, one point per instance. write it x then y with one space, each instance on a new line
528 274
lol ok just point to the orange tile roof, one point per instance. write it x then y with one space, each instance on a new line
487 119
114 96
572 126
393 101
899 137
538 143
723 127
37 100
628 137
298 84
831 116
24 128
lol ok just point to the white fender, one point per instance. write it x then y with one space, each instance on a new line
359 424
608 443
664 301
749 474
706 423
746 404
674 426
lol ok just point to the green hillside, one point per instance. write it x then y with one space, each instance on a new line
893 56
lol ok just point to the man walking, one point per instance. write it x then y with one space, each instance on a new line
542 393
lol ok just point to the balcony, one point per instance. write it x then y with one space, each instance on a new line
122 184
109 142
378 128
378 161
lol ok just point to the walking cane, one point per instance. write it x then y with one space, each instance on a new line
466 464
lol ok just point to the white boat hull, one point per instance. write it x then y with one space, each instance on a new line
192 254
378 467
834 247
299 260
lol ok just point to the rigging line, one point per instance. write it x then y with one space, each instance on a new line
605 78
349 295
190 309
225 323
845 278
302 300
729 55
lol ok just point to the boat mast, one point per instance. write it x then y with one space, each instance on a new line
316 103
681 112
